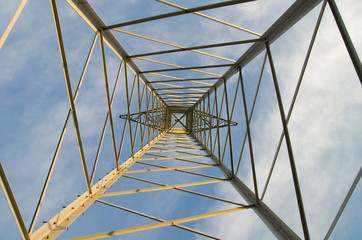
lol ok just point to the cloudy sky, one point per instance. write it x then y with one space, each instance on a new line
324 129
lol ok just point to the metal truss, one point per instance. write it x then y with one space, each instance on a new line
210 121
146 118
197 143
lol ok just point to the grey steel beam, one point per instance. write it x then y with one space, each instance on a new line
314 35
218 113
229 130
293 166
297 11
346 38
271 220
251 152
251 113
344 203
198 47
177 13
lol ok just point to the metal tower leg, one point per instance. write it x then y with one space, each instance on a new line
274 223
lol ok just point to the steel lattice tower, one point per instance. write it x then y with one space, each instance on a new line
178 133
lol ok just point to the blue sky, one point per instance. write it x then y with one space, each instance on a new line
324 127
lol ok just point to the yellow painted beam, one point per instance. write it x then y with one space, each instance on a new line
158 219
157 188
158 225
170 44
212 18
168 169
174 150
165 158
175 145
12 22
